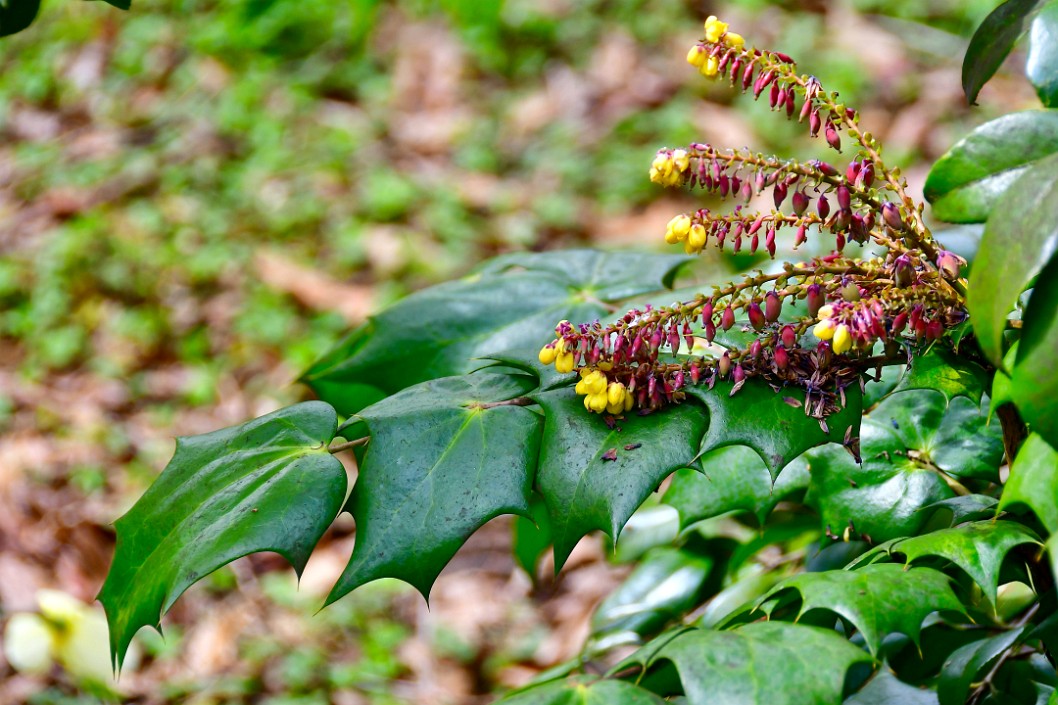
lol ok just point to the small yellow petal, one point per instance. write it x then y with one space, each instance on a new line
714 28
615 393
842 340
710 68
564 363
824 330
696 237
734 40
680 159
598 402
629 400
614 408
696 56
547 354
581 388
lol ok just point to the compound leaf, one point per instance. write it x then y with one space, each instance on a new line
266 485
1033 481
1020 239
992 42
582 690
443 459
773 424
1033 383
511 302
878 599
585 490
764 663
966 183
1042 64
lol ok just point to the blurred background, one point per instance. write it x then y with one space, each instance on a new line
198 197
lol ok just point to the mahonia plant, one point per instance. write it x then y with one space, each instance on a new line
904 299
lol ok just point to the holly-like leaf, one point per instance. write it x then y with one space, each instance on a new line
764 663
886 689
663 586
16 15
1033 382
966 183
582 690
955 438
266 485
963 667
773 424
531 536
512 302
1020 239
967 507
978 548
991 43
878 599
586 491
1033 482
943 371
732 478
445 457
1042 64
880 497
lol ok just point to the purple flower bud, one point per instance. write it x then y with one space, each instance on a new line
866 177
674 339
687 335
903 272
695 373
802 235
815 299
857 229
832 136
805 107
736 183
736 245
739 374
756 316
800 202
736 66
710 331
950 264
791 104
655 341
823 207
934 329
754 349
841 220
839 242
824 167
772 306
769 242
891 213
782 358
852 171
773 95
779 194
707 312
747 191
637 344
760 181
788 336
725 185
723 365
844 197
747 75
814 122
753 243
727 318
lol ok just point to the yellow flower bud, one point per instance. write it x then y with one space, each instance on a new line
734 40
710 68
842 340
714 28
547 354
663 164
629 401
679 226
824 330
696 237
581 388
587 403
564 362
615 394
597 402
596 382
825 312
696 56
605 366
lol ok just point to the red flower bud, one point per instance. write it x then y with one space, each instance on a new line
903 272
841 220
687 336
823 207
815 299
772 306
739 374
782 358
949 264
800 202
707 313
891 213
769 241
695 373
790 104
727 318
655 341
756 316
773 95
801 235
844 197
747 191
779 194
723 365
934 329
788 336
899 323
814 122
753 243
747 75
832 136
866 176
754 349
852 171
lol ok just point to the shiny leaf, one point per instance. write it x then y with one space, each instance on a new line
1042 64
582 690
1019 241
878 599
991 43
441 462
967 507
1033 382
265 485
963 667
966 183
1033 482
943 371
886 689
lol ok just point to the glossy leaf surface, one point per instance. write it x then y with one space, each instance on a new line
265 485
1033 482
438 466
991 43
967 182
886 689
583 690
963 667
1033 382
1042 64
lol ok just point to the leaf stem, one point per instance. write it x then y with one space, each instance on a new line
517 401
339 447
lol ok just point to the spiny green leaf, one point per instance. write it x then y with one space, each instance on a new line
943 371
773 424
582 690
991 43
266 485
978 548
1042 64
764 663
877 599
886 689
441 463
1020 239
663 585
512 302
1033 481
732 478
956 438
967 507
16 15
583 490
1033 382
963 667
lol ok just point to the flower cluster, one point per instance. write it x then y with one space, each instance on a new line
818 325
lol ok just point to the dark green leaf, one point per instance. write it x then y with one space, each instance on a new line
963 667
965 184
967 507
120 4
1033 382
532 536
16 15
266 485
732 478
583 690
886 689
665 584
1042 64
513 302
1019 241
764 663
440 464
943 371
877 599
583 491
991 43
978 548
772 423
1033 482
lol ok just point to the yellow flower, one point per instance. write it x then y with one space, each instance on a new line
678 229
547 354
615 393
592 383
825 312
680 159
824 330
696 238
710 68
596 402
734 40
696 56
842 340
714 28
564 362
